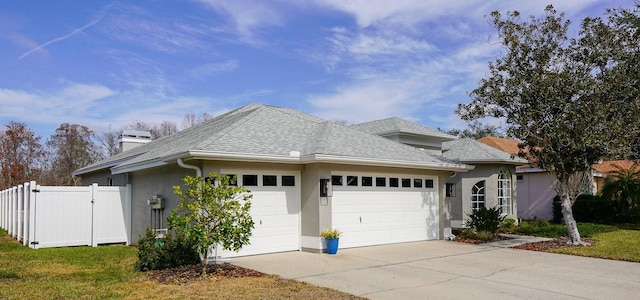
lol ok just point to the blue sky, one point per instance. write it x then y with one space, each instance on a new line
101 63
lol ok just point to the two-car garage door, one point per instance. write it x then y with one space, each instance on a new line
375 210
275 208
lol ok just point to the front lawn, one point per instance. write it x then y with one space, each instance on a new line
619 245
107 272
611 242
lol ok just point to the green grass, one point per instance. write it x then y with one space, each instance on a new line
107 272
619 245
72 272
620 242
545 229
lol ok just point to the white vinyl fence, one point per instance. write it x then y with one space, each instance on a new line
56 216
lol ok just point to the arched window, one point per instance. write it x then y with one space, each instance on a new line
477 195
504 191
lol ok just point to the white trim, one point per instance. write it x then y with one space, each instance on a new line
387 163
137 167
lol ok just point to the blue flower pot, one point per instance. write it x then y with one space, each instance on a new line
332 246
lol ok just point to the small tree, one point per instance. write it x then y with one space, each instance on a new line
623 187
213 214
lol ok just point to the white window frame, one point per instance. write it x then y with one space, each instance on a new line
478 196
504 192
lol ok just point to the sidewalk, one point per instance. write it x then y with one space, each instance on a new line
515 240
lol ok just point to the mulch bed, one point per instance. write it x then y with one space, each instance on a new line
190 273
552 244
545 246
477 242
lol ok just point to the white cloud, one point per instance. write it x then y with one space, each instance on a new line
249 16
213 69
73 32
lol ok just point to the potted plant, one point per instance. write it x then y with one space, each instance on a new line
331 236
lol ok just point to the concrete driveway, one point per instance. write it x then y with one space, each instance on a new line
449 270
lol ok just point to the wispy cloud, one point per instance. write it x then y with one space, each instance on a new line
103 12
213 69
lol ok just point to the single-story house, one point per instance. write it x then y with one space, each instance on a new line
306 174
536 186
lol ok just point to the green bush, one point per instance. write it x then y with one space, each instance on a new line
526 228
485 236
595 209
467 233
485 219
508 226
163 253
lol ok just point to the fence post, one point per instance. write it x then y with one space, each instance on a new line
12 226
94 225
32 215
2 209
20 199
127 213
27 212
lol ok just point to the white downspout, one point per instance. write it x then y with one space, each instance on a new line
183 165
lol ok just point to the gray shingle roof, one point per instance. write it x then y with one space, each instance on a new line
470 151
262 130
397 125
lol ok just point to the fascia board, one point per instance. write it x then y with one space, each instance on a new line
102 166
317 158
232 156
489 161
138 166
387 163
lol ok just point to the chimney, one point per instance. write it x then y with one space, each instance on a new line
130 139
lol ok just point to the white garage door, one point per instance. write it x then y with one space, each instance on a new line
370 215
275 209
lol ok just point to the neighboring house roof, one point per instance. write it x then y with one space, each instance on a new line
507 145
609 166
264 133
396 126
470 151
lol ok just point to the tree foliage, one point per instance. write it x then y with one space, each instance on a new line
623 187
72 148
21 155
213 214
475 130
571 101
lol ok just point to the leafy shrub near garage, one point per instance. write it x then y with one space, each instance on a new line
485 219
167 252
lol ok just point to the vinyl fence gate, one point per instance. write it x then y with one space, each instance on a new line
57 216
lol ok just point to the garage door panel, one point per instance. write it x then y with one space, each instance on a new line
381 217
276 215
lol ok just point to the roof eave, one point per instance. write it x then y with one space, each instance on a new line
296 159
137 166
490 161
387 163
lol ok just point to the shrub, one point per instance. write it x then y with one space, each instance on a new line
163 253
485 236
526 228
485 219
466 233
508 225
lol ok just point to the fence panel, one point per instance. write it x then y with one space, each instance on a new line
47 216
111 215
62 216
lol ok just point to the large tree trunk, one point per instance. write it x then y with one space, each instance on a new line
569 221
